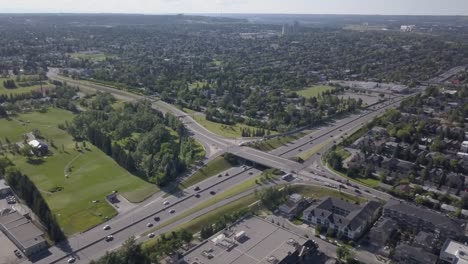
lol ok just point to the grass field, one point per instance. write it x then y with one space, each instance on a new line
369 182
228 131
310 153
20 89
277 142
319 192
91 56
314 91
213 167
93 174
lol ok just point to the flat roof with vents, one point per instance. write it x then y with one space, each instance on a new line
262 243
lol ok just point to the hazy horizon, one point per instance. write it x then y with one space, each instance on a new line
302 7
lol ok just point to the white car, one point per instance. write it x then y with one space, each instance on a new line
106 227
166 203
149 225
151 235
71 260
109 238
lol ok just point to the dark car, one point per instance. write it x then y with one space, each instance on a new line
219 175
157 219
357 191
197 188
212 192
197 195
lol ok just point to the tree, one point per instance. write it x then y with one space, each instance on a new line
343 253
335 160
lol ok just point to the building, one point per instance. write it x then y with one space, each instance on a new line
382 231
293 206
39 146
406 254
407 28
425 240
23 233
347 219
464 147
412 217
252 240
454 252
4 189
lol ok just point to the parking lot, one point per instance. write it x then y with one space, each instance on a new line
6 250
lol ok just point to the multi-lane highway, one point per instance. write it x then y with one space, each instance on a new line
92 244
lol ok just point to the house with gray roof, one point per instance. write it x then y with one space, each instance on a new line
412 255
417 218
348 219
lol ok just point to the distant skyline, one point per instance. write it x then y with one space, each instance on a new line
364 7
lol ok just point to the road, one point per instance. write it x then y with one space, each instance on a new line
91 244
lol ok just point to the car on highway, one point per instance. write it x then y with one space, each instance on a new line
250 173
18 253
157 219
106 227
226 174
166 202
171 211
220 175
149 225
196 189
357 191
212 192
197 195
367 191
151 235
109 238
71 260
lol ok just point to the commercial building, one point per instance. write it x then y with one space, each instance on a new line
454 252
409 216
351 220
254 241
23 233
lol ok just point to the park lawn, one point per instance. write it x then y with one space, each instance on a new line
313 151
228 131
317 192
21 90
277 142
96 57
343 153
315 90
93 174
369 182
198 85
217 165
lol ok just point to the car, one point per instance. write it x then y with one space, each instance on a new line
212 192
18 253
367 191
166 203
151 235
342 186
196 188
250 173
172 211
341 129
149 225
157 219
331 135
357 191
197 195
219 175
318 153
109 238
71 260
226 174
311 137
106 227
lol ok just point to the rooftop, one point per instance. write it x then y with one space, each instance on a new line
23 230
456 249
3 185
263 242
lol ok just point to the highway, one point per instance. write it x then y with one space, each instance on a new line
91 244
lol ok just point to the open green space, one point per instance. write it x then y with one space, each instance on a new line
98 56
212 168
198 85
20 89
228 131
91 173
306 155
343 153
277 142
317 192
315 90
369 182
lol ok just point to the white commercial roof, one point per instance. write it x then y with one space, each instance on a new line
34 143
458 250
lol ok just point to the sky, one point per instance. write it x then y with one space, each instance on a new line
380 7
